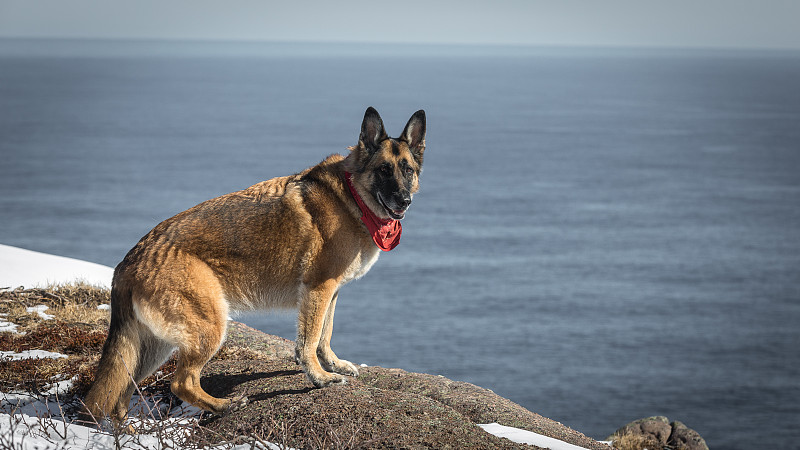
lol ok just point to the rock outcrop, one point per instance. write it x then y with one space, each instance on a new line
381 408
658 430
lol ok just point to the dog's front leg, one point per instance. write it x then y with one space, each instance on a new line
310 325
327 357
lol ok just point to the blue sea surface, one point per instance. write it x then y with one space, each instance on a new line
600 235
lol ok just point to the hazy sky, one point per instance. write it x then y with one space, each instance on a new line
672 23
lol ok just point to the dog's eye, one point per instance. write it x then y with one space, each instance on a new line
409 171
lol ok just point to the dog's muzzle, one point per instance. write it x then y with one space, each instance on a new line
397 206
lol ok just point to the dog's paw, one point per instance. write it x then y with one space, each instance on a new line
339 366
345 367
228 406
327 379
237 403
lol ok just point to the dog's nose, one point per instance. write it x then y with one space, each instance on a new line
404 201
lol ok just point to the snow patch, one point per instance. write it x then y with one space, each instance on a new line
528 437
40 310
20 267
29 354
29 433
6 326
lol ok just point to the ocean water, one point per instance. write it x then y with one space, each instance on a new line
600 235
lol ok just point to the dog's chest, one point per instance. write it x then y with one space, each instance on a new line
361 264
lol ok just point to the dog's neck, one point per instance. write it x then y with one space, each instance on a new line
385 232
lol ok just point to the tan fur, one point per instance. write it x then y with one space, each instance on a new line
287 242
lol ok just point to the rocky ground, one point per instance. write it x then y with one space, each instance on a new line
382 408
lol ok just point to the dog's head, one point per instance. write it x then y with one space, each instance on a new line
386 170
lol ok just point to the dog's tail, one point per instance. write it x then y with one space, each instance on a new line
131 353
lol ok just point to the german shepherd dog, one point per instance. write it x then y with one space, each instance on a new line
291 241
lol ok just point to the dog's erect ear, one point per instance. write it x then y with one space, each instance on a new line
414 134
372 132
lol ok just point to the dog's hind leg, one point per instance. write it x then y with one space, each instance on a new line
327 357
199 341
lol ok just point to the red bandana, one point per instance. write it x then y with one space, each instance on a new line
385 232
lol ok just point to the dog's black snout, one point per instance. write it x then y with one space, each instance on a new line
404 201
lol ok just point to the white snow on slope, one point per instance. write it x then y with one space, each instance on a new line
528 437
20 267
40 311
25 432
6 325
29 354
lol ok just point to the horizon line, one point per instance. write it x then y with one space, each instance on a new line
431 47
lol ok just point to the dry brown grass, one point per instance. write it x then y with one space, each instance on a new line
35 375
78 330
29 374
72 313
73 303
56 336
635 442
17 314
80 293
81 345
